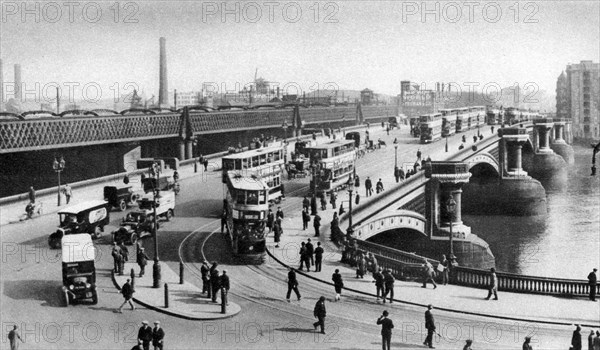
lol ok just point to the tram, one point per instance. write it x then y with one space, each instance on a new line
431 127
266 163
334 162
448 122
462 119
246 204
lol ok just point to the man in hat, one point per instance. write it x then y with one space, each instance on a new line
310 251
379 283
468 344
388 281
318 257
386 330
320 314
493 285
214 281
127 291
593 280
292 285
142 260
224 282
12 338
145 335
576 339
117 257
527 344
204 271
158 336
430 326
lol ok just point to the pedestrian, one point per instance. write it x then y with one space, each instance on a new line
332 199
117 257
591 340
318 257
305 218
205 164
68 192
303 258
474 138
597 341
576 338
13 335
401 174
320 314
382 125
323 202
124 255
127 291
224 220
270 220
527 344
368 187
464 139
292 285
593 281
360 267
387 129
224 283
214 281
379 286
305 203
142 261
317 224
428 274
356 181
176 176
388 280
31 195
277 231
430 326
379 186
386 330
419 154
493 285
279 213
204 271
461 146
145 335
338 284
310 250
468 344
445 265
158 336
397 174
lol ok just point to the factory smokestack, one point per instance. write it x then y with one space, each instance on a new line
18 94
163 90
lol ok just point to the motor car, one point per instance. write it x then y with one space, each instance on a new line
88 217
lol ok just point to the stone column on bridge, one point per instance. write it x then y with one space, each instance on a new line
513 140
543 127
447 179
560 145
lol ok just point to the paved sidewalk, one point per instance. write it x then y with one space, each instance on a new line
527 307
185 300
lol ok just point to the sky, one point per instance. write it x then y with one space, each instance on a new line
108 48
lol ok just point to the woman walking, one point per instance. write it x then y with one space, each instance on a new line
338 283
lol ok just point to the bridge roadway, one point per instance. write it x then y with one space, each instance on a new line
32 276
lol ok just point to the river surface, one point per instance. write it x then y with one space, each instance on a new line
564 243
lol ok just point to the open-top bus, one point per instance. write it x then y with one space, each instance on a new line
448 121
431 127
334 162
266 163
247 204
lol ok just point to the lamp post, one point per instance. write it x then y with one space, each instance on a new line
156 275
396 161
450 208
58 166
313 202
478 125
350 184
596 150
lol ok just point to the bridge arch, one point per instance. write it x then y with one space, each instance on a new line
483 162
401 219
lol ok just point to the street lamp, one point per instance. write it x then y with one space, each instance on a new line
450 209
313 203
156 275
58 167
396 161
350 184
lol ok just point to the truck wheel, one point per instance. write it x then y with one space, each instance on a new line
133 239
65 296
94 297
97 232
169 215
122 205
132 200
53 243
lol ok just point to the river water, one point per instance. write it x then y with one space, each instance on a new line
565 243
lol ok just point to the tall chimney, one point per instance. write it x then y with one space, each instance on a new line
163 89
1 87
18 94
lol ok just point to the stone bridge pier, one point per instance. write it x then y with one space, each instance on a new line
559 145
514 192
546 165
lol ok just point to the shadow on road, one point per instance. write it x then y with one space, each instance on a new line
46 291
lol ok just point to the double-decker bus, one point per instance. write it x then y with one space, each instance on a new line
462 119
512 115
448 121
431 127
415 128
334 162
266 163
494 116
477 116
246 203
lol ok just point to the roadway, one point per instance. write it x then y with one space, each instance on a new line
31 279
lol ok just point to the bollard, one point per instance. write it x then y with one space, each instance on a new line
132 278
209 293
166 296
195 166
180 272
223 301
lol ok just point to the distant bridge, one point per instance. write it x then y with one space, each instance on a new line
20 134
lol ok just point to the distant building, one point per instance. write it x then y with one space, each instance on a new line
413 101
367 97
189 98
578 98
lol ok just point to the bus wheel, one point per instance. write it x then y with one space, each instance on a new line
94 297
169 215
